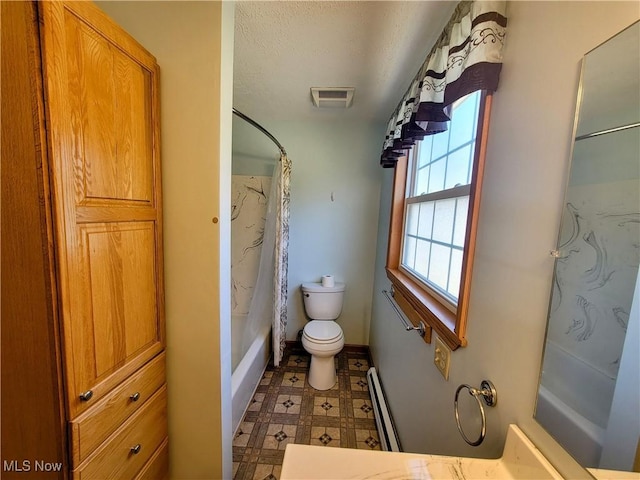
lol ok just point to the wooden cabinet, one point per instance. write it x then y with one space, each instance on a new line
125 452
82 277
93 427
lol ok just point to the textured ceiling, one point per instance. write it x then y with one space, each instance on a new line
282 48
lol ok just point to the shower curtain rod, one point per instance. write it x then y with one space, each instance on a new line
261 128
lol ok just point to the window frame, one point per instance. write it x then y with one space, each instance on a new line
414 299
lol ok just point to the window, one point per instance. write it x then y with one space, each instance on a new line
434 216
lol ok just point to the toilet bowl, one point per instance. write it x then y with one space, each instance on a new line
322 337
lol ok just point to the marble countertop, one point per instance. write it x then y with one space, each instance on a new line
520 460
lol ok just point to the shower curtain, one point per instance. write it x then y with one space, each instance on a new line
269 301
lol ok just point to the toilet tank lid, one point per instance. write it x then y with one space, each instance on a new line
318 288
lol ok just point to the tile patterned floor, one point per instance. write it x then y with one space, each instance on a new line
286 409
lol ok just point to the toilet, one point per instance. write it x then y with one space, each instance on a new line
322 337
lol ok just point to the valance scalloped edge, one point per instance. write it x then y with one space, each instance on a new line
467 57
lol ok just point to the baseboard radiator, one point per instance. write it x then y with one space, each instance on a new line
384 422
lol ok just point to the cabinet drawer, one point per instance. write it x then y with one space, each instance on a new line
92 427
115 458
157 468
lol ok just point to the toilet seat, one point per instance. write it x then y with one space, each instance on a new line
322 331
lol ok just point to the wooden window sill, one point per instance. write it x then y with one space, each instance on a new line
418 306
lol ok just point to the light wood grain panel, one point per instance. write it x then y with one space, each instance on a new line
139 275
32 413
92 15
116 326
65 153
107 297
157 192
90 429
110 93
114 460
157 468
46 287
121 260
473 215
133 129
92 96
397 212
110 381
125 122
111 325
105 211
68 69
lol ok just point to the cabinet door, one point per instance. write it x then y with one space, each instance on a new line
102 111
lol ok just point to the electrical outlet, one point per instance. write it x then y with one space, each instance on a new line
442 358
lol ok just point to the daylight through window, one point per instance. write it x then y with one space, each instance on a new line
434 219
437 203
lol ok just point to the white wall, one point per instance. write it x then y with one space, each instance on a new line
193 43
336 237
526 171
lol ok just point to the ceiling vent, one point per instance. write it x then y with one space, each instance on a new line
332 97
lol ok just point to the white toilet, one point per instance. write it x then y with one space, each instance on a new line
322 336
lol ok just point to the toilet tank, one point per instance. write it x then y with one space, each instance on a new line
323 303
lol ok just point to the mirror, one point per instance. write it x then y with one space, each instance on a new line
589 389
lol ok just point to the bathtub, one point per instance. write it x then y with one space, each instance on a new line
247 368
574 400
582 438
578 384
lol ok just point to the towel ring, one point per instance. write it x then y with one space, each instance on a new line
488 393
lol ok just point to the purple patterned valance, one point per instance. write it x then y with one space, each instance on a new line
467 57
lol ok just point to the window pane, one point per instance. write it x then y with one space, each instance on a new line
436 179
443 220
463 123
460 227
411 227
409 254
426 219
423 252
424 150
422 181
459 167
440 144
435 230
455 273
439 265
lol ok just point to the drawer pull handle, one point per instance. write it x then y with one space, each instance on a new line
136 449
86 396
135 397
